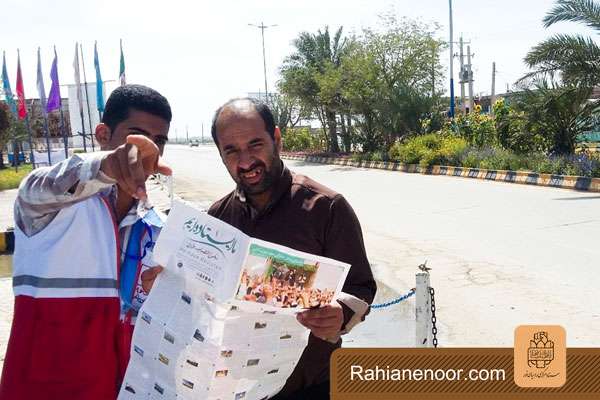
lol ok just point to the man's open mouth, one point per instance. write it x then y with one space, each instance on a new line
253 176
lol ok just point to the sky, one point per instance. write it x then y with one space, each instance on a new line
199 54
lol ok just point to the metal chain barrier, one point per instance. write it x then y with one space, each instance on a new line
395 301
433 318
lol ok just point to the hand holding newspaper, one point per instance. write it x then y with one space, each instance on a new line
220 321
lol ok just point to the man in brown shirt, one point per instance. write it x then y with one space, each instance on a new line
274 204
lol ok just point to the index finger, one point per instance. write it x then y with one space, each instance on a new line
136 170
143 143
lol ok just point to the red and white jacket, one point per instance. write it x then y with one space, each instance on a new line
69 337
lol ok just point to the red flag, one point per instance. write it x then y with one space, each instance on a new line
21 107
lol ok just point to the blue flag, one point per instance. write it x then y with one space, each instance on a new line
10 100
99 84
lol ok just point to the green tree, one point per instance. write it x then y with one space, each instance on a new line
558 113
287 111
393 80
310 75
572 58
565 68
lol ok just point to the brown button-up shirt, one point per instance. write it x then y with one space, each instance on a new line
307 216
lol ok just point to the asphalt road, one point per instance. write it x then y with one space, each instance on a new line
502 254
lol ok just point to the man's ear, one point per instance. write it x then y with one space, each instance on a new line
278 142
103 135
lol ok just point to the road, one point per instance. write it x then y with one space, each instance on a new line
502 254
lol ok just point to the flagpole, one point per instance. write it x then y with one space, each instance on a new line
47 129
11 105
99 83
42 94
64 131
78 88
87 97
30 141
21 97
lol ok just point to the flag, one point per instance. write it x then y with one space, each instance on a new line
54 96
10 101
40 83
122 66
99 84
21 107
77 78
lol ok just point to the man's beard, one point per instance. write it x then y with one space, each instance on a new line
269 178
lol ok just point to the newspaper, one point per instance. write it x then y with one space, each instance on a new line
220 320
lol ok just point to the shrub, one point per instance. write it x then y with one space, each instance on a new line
430 149
301 139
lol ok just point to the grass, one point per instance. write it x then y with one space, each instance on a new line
10 179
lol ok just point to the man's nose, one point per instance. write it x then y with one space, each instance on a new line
246 160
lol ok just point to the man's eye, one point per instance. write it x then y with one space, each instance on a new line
256 145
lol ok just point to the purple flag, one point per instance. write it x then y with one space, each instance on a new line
54 97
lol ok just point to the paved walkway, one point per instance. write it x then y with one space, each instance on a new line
7 199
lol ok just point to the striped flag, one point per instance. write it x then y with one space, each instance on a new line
99 84
54 96
122 66
77 78
21 106
40 82
8 95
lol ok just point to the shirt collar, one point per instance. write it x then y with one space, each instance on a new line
151 217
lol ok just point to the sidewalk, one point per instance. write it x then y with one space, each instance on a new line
7 200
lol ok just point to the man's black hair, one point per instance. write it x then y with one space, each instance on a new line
261 108
134 97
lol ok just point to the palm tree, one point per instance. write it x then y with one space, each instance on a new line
574 59
316 56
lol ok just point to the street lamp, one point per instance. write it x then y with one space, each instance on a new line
262 28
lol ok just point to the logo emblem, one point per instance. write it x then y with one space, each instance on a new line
540 356
541 350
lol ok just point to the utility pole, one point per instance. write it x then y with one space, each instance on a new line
493 98
262 28
451 62
202 132
470 77
462 77
187 134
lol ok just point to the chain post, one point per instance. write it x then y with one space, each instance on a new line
434 330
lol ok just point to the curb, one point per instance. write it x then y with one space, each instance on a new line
7 242
522 177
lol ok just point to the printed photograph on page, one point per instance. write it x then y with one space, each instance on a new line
281 279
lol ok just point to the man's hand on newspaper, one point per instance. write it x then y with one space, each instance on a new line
132 163
325 322
149 276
